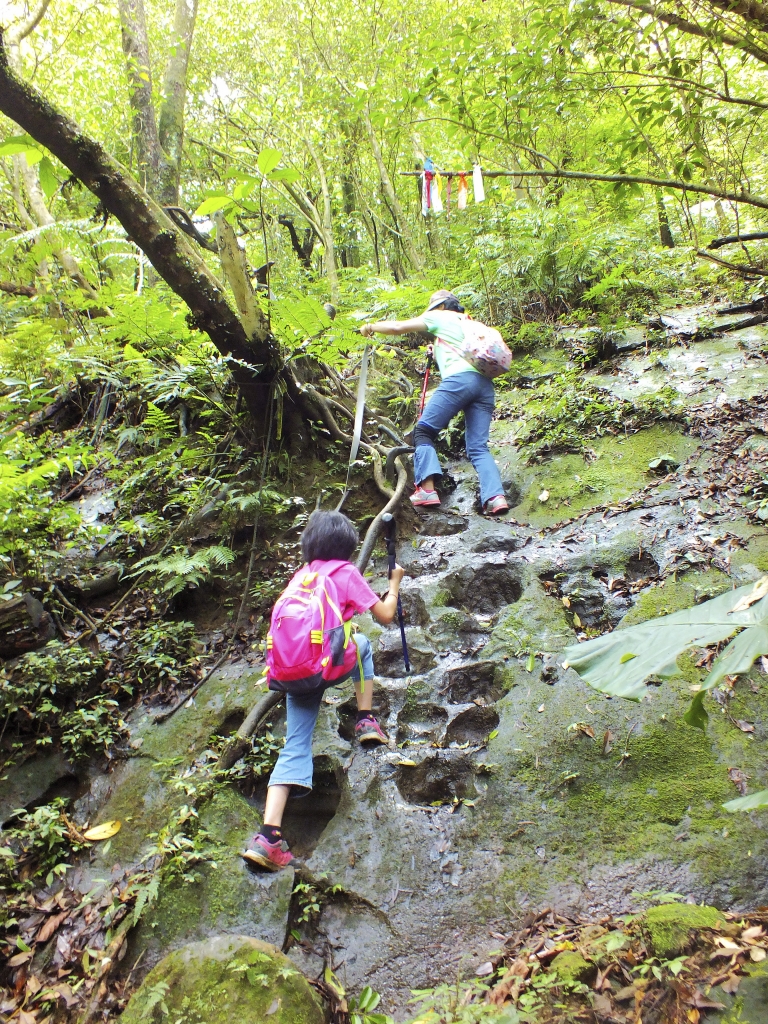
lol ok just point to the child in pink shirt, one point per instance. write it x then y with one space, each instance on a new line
328 537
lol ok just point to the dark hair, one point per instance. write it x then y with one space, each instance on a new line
328 536
453 306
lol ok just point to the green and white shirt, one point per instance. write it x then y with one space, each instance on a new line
443 323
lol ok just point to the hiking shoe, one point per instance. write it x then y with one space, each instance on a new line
271 856
422 497
497 506
368 730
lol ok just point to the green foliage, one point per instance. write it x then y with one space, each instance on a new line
160 651
35 846
30 516
655 646
49 694
361 1008
459 1003
174 572
569 410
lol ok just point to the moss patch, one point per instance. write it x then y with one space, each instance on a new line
534 623
675 594
571 966
620 468
223 980
669 926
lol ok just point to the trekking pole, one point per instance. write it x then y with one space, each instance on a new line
389 533
425 385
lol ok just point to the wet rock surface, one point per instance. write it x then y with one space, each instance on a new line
432 847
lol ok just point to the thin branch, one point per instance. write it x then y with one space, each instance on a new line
29 26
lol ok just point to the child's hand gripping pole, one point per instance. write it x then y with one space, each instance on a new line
389 534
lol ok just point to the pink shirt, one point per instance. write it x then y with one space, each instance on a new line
355 595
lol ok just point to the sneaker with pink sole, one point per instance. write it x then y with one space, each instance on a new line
496 506
420 497
272 856
368 730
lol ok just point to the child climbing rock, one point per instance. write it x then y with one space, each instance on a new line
462 388
310 647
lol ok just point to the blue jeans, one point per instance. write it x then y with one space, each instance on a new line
473 393
294 764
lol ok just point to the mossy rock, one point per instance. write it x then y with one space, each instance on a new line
670 925
571 966
225 979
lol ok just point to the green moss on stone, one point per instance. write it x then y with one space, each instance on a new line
676 594
571 966
670 925
620 468
534 623
221 980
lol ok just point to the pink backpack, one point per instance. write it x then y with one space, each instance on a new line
483 348
309 646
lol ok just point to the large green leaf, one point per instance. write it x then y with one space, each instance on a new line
605 664
748 803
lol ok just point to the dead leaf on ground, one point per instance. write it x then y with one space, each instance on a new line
484 970
750 934
104 831
701 1002
744 726
511 980
608 739
755 595
50 926
757 954
731 984
20 958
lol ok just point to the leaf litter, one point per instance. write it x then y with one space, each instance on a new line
621 982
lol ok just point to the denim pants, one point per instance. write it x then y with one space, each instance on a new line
294 764
473 393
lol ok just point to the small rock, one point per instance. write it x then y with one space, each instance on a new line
663 464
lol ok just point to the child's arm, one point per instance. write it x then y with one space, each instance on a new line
384 611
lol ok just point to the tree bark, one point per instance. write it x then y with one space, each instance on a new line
253 366
174 93
12 288
149 154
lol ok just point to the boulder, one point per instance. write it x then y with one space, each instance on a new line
225 979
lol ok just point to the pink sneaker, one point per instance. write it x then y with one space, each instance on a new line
368 730
497 506
271 856
422 497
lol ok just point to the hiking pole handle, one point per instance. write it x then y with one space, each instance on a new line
390 528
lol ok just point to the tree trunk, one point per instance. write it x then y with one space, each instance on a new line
253 365
24 626
149 154
327 230
41 213
665 231
171 126
401 223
